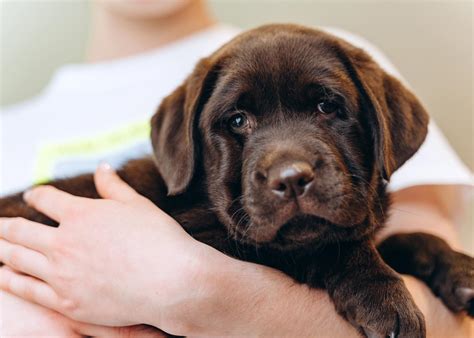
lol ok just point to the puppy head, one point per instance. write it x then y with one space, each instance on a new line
292 132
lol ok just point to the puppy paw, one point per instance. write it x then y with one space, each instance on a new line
453 281
449 274
383 309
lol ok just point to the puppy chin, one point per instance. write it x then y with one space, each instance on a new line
261 234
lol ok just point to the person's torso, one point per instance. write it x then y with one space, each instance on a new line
94 113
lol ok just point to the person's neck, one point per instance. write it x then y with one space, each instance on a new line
115 36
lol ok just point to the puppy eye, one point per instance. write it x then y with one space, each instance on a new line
239 123
327 107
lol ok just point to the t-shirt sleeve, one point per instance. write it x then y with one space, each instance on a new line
436 162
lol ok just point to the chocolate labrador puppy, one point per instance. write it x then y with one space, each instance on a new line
277 149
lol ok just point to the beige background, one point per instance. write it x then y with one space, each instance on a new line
431 42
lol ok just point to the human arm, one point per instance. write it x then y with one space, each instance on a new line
170 280
433 209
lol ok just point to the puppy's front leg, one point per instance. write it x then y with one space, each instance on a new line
370 295
449 274
140 174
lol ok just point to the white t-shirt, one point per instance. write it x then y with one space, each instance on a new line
100 112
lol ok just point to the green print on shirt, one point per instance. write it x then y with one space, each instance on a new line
50 154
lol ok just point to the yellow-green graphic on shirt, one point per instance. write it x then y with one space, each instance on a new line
113 141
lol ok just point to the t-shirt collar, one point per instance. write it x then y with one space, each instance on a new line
104 76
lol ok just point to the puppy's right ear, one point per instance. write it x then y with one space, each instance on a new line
173 127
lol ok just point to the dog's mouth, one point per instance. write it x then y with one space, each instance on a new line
299 231
302 230
301 223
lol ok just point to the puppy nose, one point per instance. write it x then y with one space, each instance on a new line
290 179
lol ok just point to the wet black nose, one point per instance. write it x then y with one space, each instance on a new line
290 179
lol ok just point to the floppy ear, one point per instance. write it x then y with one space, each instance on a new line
397 118
173 134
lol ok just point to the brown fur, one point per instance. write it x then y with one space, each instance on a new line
235 188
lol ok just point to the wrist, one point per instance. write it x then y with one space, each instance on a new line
440 321
191 302
216 302
220 298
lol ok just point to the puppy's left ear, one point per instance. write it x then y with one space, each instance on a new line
398 121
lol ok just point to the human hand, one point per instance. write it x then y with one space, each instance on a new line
117 261
21 318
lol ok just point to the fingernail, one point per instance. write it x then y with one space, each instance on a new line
104 166
3 226
27 195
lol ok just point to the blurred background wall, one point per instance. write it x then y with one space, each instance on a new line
431 42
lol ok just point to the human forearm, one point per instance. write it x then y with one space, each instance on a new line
440 321
252 300
272 304
430 209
